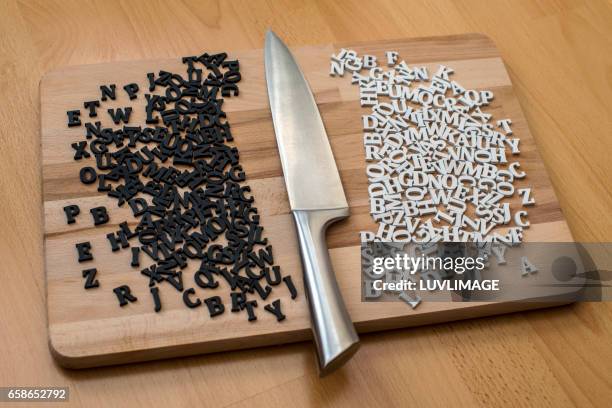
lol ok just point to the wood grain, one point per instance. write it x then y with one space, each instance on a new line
558 57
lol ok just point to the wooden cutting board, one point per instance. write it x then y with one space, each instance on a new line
87 328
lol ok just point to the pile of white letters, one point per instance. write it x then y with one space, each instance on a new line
439 168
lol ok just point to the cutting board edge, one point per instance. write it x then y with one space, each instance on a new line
203 348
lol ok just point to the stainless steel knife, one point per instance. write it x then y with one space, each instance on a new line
316 198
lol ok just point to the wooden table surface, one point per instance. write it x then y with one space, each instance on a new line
559 56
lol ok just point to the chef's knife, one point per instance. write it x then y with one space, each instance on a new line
316 198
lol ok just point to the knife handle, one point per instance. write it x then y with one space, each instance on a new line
334 333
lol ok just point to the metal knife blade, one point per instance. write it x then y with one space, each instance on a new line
309 168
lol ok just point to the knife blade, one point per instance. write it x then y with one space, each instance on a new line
309 167
316 198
